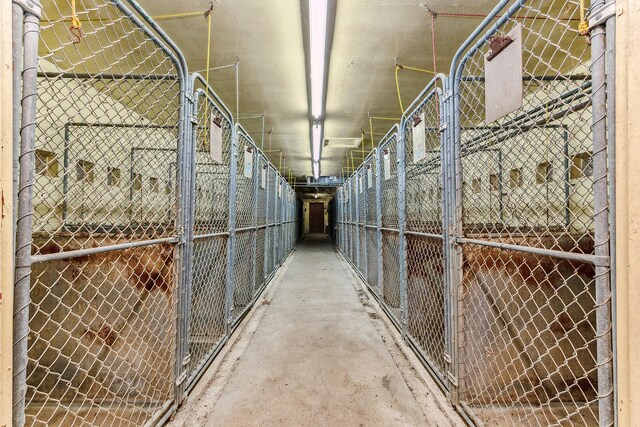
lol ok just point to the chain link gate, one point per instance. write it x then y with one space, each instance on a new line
372 258
245 226
534 327
272 196
361 220
427 324
390 246
261 236
101 229
208 302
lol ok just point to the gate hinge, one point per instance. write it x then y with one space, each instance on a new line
452 379
189 97
446 95
30 6
443 126
600 15
181 378
186 360
193 119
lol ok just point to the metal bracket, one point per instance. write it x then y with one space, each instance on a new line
181 378
193 120
186 359
189 97
30 6
600 15
445 96
443 126
452 379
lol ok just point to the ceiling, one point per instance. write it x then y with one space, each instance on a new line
267 37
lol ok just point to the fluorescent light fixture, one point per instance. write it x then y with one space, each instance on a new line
318 29
316 133
316 170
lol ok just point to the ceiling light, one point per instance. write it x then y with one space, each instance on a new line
318 30
316 170
316 132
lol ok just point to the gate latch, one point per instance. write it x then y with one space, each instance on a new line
600 15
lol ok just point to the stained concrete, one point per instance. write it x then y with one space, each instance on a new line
316 358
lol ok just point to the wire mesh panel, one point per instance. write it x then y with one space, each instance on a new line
102 316
390 249
535 326
362 218
207 327
261 237
272 196
425 260
246 216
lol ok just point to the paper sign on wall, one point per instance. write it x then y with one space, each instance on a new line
263 177
369 177
215 139
248 163
387 166
419 136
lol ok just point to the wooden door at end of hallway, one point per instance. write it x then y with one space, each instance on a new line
316 218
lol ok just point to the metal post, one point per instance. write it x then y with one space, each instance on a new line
610 39
233 162
184 220
604 355
24 220
256 176
450 202
265 273
455 231
356 220
401 228
379 154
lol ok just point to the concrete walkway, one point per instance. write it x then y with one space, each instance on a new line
315 359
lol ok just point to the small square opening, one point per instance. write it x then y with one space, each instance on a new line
46 163
515 178
85 171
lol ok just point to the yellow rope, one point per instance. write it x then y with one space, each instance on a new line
398 89
176 15
75 22
417 69
583 26
371 130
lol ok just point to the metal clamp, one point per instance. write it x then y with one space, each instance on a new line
600 15
30 6
181 378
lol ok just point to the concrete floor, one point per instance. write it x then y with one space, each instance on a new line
316 357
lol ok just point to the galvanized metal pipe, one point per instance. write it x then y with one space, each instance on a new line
24 219
610 39
604 351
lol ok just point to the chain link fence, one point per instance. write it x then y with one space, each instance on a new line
146 219
493 221
425 230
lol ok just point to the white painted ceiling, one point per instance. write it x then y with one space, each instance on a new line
267 37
